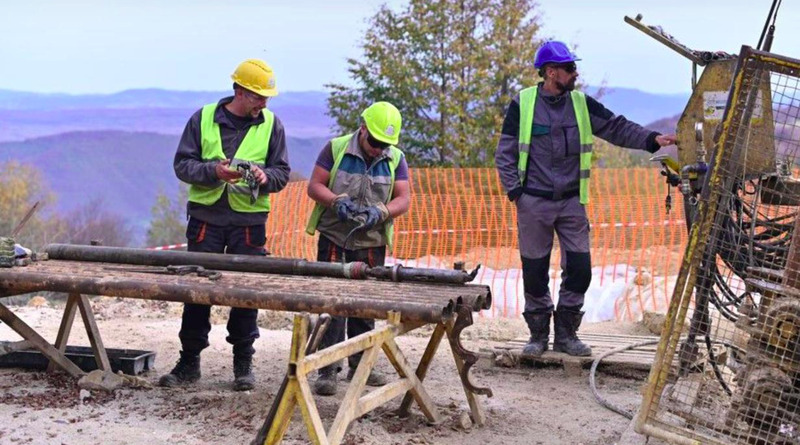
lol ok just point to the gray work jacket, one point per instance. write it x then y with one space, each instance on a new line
190 167
554 165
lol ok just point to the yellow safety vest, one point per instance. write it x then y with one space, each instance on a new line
527 103
339 148
253 149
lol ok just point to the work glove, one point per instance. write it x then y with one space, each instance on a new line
375 214
345 208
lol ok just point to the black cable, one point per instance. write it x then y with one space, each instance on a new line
772 11
714 366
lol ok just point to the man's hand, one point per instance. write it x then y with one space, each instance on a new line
345 208
375 214
261 177
226 174
666 139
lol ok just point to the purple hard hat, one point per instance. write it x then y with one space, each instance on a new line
553 51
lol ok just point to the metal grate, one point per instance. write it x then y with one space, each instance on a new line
727 368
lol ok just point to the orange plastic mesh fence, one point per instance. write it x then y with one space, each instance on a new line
464 215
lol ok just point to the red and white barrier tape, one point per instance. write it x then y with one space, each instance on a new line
169 247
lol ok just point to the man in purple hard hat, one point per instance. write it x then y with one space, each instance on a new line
544 160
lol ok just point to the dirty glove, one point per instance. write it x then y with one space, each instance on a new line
375 214
345 208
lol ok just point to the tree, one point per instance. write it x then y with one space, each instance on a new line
451 67
92 222
21 186
167 224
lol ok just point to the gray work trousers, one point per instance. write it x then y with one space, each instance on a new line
537 220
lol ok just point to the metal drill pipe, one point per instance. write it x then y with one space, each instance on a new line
18 281
250 263
211 261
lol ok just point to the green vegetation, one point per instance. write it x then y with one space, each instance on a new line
22 185
167 225
451 68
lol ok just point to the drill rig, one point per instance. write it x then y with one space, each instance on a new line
727 368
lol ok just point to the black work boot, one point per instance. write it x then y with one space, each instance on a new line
243 378
375 378
567 321
187 370
327 381
539 325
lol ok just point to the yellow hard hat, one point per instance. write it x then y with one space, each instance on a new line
256 76
383 122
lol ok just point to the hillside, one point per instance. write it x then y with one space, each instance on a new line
26 115
126 169
31 115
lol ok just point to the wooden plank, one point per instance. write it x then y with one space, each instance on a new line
283 414
316 430
418 392
93 333
26 332
382 395
641 358
289 399
347 409
65 328
347 348
424 364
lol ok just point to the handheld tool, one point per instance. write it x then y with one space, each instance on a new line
249 177
173 270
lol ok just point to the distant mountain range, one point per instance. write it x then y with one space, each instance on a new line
29 115
25 115
125 169
119 147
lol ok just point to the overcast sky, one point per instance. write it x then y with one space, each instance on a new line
104 46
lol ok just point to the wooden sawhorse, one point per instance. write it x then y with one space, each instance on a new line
297 391
55 353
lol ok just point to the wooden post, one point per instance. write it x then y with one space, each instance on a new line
26 332
424 364
62 338
93 333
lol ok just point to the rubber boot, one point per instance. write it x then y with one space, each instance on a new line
327 381
375 378
243 378
567 321
187 370
539 325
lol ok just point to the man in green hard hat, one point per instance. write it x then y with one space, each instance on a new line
360 184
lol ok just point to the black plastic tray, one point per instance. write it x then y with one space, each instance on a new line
129 361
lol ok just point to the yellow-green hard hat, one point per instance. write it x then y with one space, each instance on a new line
383 122
256 76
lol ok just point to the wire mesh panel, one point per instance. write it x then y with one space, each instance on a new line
728 364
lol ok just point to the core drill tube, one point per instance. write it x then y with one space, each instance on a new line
19 282
250 263
211 261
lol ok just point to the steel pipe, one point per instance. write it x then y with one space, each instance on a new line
258 264
19 281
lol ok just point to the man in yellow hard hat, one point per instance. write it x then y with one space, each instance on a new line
233 155
360 184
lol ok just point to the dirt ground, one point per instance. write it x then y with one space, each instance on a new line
538 406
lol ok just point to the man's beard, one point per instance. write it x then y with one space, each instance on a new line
564 87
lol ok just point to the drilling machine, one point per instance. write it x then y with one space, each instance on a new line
745 283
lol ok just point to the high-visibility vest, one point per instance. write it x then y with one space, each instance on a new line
339 148
527 103
253 149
